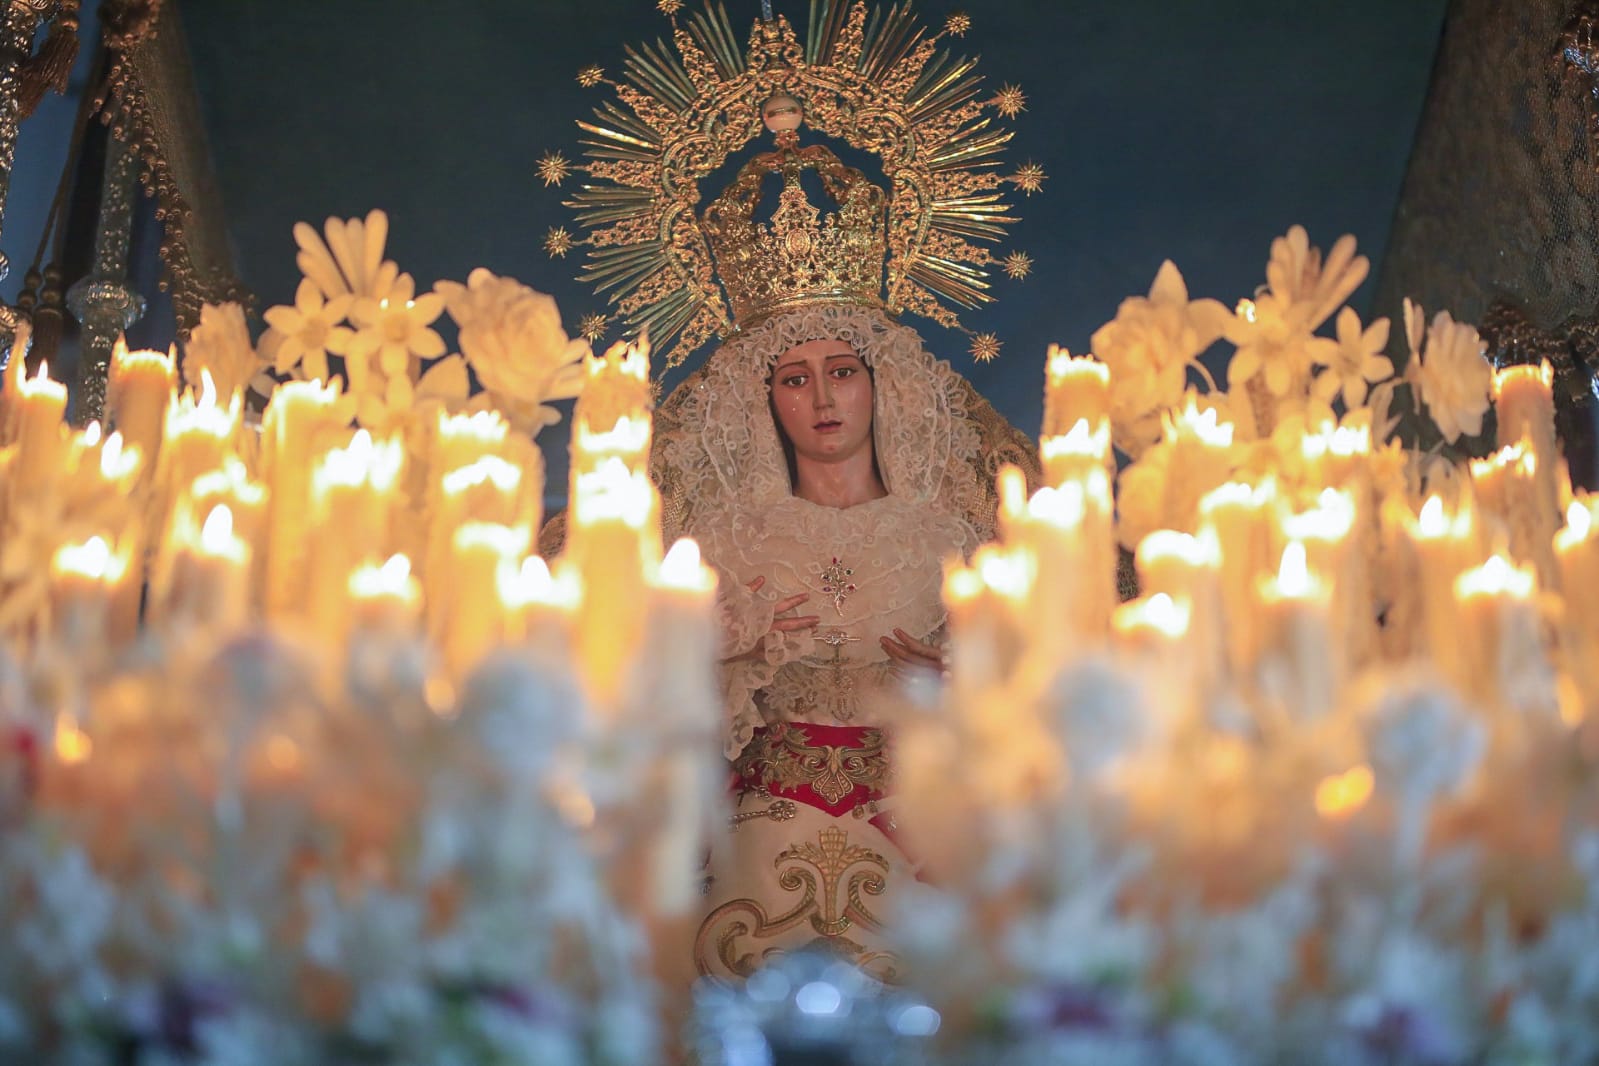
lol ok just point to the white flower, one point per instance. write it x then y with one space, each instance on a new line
351 261
221 344
304 333
1453 377
384 361
513 338
1148 348
1356 362
1275 343
1297 276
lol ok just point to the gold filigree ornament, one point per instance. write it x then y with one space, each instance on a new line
874 79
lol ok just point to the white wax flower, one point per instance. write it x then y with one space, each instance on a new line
1423 741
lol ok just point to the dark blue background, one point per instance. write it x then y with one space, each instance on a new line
1189 131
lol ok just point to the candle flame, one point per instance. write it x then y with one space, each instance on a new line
1081 439
1332 519
1497 577
613 492
72 744
1432 522
1342 794
1293 573
1246 310
216 536
1238 494
509 542
393 578
92 559
489 427
208 389
43 373
1012 490
490 469
1579 523
1062 364
533 583
1064 507
1159 612
1206 425
1170 544
1543 374
91 434
682 569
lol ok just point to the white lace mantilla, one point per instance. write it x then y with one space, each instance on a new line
724 456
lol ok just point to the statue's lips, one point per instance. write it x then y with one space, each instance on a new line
828 427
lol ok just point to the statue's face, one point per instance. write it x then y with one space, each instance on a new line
823 398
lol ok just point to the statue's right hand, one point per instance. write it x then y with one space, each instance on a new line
779 623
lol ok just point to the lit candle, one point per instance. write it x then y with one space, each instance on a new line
1443 546
462 439
385 599
352 497
988 603
300 425
1300 672
1520 505
209 586
1336 543
1202 459
1075 455
679 697
1524 409
41 436
1157 632
470 621
1187 569
138 389
612 416
85 579
613 542
199 435
539 605
489 489
1499 656
1075 390
1577 548
1240 518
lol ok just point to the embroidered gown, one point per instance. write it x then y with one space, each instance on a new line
812 859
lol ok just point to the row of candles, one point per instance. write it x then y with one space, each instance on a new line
1284 584
187 526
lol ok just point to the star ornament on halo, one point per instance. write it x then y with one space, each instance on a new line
669 7
1029 178
985 347
558 242
554 168
591 75
1010 101
1018 265
591 327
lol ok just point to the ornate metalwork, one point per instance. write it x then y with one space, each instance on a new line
18 24
875 80
103 302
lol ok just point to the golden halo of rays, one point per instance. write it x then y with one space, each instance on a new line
554 168
872 76
1018 265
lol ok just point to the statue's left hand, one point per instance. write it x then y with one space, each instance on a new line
911 654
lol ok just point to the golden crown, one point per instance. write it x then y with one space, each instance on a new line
875 80
799 257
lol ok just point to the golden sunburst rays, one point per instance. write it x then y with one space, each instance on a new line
1010 101
591 327
1018 265
985 347
558 242
677 111
1029 177
554 168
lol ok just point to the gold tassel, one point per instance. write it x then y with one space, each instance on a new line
51 67
49 319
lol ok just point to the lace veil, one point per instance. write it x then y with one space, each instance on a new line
938 442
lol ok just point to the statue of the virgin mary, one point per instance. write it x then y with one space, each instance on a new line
827 463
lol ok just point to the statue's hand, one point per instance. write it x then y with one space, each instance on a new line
779 623
912 656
